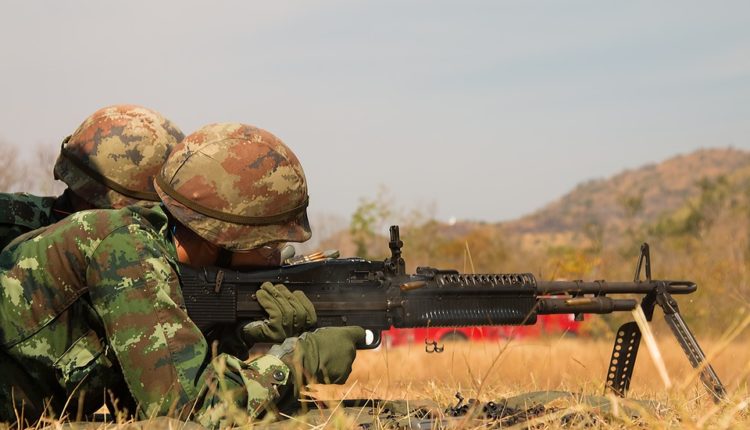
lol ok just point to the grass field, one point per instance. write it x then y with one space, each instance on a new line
489 371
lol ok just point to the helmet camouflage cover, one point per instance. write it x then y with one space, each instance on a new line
112 158
237 186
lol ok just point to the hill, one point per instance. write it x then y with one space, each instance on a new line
633 197
692 209
608 207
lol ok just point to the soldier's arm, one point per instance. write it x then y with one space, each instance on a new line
8 233
165 359
20 213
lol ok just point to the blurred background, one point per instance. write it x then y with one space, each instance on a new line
546 137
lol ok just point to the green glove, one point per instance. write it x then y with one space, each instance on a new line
289 314
324 355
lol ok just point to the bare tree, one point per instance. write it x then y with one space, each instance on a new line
13 174
30 174
41 170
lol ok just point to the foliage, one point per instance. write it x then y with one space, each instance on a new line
704 237
366 222
698 214
32 175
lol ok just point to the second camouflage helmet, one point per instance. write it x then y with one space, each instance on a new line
112 158
237 186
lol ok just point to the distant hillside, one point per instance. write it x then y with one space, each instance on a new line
634 196
693 210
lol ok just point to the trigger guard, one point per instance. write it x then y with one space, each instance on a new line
377 339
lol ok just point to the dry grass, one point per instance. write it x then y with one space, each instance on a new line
490 371
537 364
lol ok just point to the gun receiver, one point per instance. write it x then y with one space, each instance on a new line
378 295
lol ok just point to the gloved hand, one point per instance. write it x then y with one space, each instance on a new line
289 314
324 355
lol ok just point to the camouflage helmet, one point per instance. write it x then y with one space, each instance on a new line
110 161
237 186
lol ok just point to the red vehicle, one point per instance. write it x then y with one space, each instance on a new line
562 324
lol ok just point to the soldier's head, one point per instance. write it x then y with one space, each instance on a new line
239 189
110 161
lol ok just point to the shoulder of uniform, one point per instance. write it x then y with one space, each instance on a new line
25 209
105 221
152 215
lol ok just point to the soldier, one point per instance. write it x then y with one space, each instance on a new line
91 307
109 162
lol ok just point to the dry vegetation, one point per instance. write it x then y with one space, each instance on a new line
702 235
697 226
489 370
28 172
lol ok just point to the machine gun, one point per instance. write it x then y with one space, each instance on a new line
378 295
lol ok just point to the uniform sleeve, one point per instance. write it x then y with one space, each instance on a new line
20 213
10 232
165 359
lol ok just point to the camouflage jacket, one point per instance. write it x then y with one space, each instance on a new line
22 212
93 305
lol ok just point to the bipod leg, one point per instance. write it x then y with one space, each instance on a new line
622 361
690 346
628 338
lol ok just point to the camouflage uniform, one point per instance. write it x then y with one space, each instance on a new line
93 304
22 212
109 161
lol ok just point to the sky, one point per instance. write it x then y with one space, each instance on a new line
482 110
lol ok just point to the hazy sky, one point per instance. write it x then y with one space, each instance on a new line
486 109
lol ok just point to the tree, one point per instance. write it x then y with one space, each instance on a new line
13 175
31 174
366 220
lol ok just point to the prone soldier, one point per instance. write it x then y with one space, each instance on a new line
91 307
109 162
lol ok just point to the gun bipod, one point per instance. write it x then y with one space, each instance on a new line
628 338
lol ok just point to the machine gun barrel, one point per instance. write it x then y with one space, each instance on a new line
604 287
584 305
